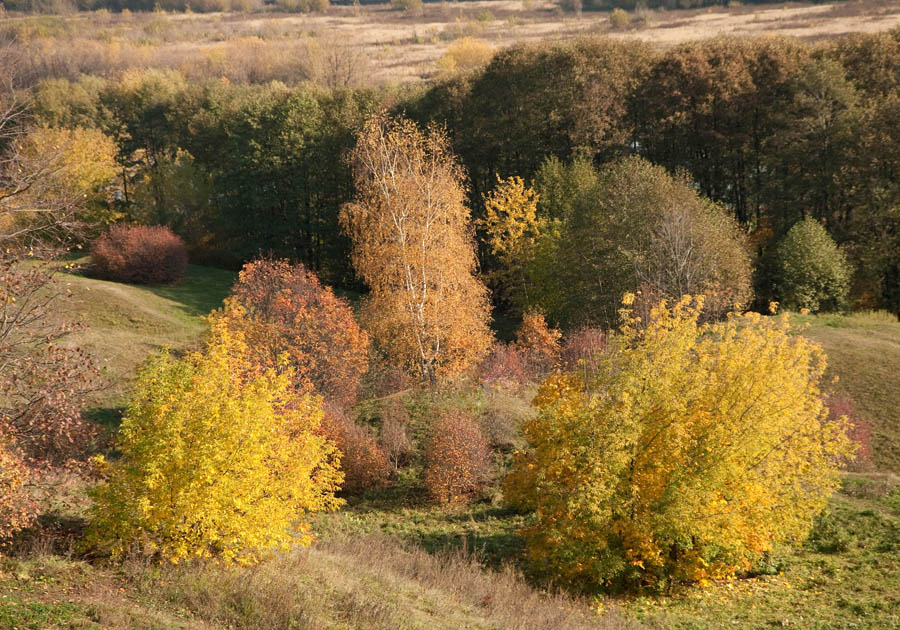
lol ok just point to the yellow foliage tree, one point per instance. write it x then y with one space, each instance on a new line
413 246
79 166
465 55
219 459
511 228
694 449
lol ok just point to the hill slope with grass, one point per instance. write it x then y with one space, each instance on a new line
864 354
120 325
390 559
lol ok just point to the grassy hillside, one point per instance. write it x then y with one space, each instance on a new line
121 324
864 354
391 559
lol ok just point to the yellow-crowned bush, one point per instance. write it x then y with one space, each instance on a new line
692 450
219 459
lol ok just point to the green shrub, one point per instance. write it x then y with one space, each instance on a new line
811 271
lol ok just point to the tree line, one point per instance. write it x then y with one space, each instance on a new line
774 131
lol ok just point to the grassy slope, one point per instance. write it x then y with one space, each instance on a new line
120 324
849 576
864 353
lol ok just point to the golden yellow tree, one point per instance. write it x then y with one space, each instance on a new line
694 449
413 245
511 228
219 459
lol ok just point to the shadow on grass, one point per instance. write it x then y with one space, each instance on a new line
201 291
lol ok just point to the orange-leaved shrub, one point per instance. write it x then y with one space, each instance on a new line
363 461
283 310
538 343
16 506
457 458
140 254
690 451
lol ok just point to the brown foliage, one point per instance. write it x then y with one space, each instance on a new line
538 343
394 440
283 309
140 254
860 432
505 365
42 385
413 245
457 459
364 463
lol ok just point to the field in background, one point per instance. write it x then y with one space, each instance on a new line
375 44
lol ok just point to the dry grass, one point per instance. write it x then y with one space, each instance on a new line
371 582
373 43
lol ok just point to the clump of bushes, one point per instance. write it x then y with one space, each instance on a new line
457 459
219 459
140 254
677 461
364 463
285 312
812 271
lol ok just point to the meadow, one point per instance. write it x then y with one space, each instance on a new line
393 559
375 44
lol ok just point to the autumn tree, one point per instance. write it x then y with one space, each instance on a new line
628 226
413 246
687 452
283 311
43 381
510 229
220 458
812 272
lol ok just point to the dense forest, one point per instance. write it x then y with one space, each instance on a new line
774 131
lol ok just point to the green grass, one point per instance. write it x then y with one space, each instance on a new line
846 576
864 354
121 324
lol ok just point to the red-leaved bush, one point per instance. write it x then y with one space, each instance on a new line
505 366
364 463
140 254
457 459
840 405
284 311
582 349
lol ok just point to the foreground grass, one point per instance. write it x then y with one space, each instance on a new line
362 582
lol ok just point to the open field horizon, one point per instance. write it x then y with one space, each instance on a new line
398 47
